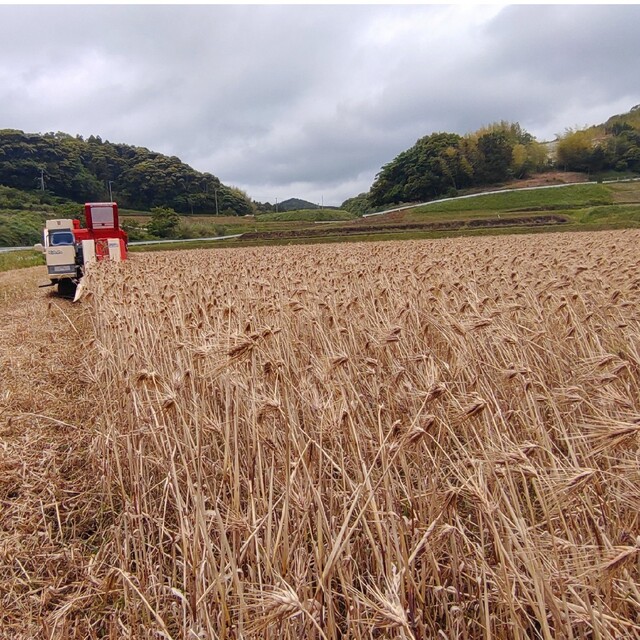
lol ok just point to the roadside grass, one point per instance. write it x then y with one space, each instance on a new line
611 204
132 213
421 216
20 259
626 192
207 225
20 228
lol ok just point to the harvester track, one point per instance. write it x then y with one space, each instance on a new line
47 494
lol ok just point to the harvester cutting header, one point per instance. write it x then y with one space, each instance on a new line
68 248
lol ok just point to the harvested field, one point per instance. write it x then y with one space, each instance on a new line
50 506
408 440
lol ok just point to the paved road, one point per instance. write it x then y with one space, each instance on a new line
141 242
6 249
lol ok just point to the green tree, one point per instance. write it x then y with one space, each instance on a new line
359 205
434 166
495 157
574 150
528 158
164 222
78 169
631 159
233 201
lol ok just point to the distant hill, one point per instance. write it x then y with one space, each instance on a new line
295 204
82 170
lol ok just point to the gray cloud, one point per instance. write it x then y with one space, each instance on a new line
310 101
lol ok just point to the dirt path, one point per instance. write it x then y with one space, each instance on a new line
47 496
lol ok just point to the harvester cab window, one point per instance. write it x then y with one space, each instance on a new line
59 238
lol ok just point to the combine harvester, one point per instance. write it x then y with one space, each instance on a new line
69 249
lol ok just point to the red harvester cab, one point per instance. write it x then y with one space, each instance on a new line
103 238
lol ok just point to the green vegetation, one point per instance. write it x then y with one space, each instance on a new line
584 207
162 198
358 205
87 170
443 163
621 214
20 259
22 215
308 215
447 164
20 228
164 222
610 147
565 197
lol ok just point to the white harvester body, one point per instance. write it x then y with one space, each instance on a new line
59 249
68 248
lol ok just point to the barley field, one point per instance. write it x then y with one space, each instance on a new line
428 439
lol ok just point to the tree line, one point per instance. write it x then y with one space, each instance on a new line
444 163
612 146
92 170
441 164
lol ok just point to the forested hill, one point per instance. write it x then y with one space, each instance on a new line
442 164
81 170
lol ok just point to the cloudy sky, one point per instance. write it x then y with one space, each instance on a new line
310 101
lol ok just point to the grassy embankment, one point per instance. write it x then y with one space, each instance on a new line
610 204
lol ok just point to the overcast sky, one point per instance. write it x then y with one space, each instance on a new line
310 101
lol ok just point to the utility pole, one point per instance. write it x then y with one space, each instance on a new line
276 205
215 193
42 180
110 194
